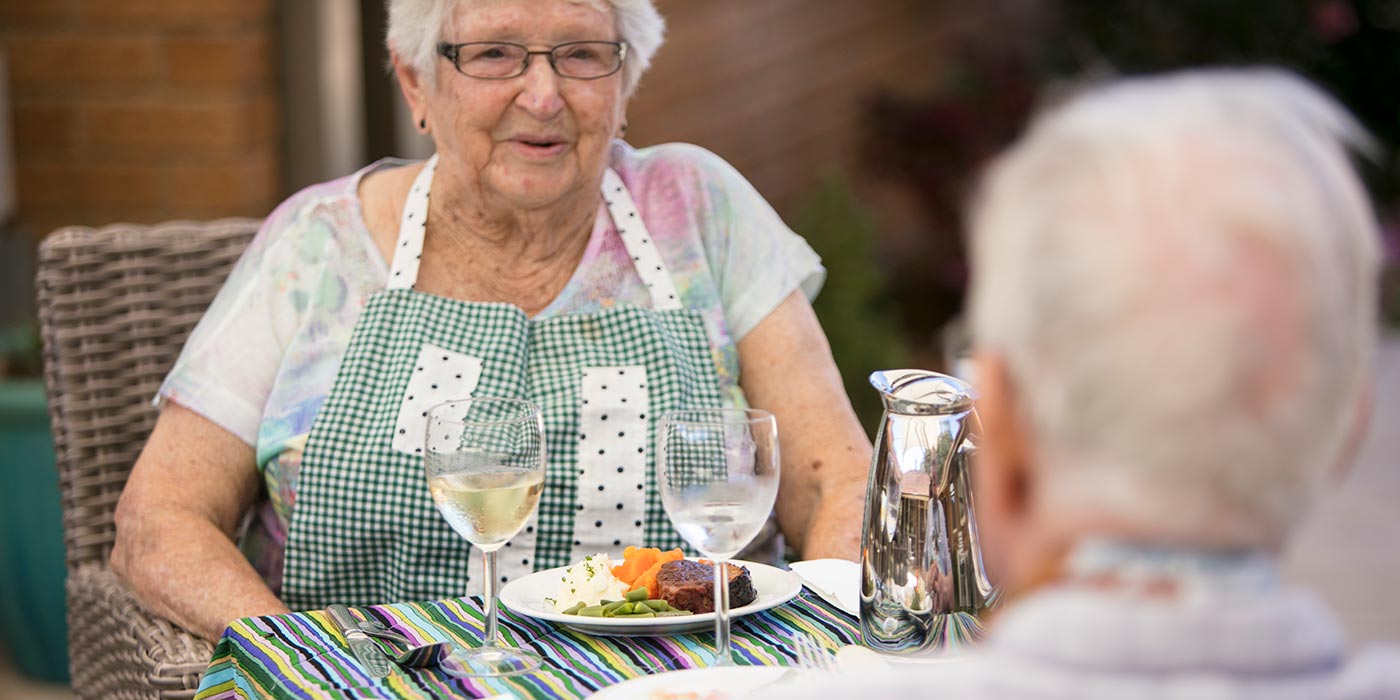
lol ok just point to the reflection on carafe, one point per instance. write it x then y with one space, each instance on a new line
923 585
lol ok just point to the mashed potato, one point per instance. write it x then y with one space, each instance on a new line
588 582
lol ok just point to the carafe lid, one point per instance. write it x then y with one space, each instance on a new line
922 393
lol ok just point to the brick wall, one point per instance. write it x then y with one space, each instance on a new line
142 110
145 110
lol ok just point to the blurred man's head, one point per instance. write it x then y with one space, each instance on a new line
1173 300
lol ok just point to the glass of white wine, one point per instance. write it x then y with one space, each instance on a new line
485 460
718 475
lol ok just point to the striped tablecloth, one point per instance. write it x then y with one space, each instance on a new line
301 656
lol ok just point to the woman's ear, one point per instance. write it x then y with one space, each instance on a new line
414 89
621 117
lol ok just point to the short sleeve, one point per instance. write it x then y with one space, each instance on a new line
757 260
229 363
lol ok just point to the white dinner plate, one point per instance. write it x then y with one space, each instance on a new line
526 596
709 683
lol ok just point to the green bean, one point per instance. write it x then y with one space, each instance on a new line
635 605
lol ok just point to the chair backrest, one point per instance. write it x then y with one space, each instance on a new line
115 307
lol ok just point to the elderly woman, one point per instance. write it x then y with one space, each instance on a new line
1174 305
535 255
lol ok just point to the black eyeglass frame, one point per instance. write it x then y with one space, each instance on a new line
452 52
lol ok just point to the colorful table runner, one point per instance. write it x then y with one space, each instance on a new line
302 656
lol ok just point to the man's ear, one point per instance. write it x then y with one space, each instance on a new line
1004 449
1356 432
1001 476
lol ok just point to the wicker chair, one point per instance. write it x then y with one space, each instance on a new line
115 307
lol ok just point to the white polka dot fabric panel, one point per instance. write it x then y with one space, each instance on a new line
408 249
612 465
438 375
637 240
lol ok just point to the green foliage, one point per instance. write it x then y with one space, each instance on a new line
859 322
20 351
934 144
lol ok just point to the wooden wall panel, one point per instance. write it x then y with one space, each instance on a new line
776 86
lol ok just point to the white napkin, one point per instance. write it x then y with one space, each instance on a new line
836 580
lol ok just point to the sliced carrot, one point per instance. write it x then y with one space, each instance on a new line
621 569
640 565
635 561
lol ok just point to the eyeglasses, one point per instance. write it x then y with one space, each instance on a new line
500 60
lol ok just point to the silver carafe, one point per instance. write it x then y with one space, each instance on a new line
923 586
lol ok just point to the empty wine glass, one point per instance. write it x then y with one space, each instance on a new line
485 461
718 475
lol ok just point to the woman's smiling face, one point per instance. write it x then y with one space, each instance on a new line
535 139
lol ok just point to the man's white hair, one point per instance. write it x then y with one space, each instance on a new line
1180 273
416 27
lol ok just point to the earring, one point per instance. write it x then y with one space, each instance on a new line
423 125
624 129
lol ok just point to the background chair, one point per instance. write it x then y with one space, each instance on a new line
115 307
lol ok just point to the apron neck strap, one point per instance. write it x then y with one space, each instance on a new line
640 247
408 249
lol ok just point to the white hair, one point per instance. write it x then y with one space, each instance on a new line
1180 274
416 27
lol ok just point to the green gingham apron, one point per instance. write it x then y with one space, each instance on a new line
363 528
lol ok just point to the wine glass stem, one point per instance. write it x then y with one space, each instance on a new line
723 656
488 590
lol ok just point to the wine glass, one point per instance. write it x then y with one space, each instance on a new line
485 460
718 475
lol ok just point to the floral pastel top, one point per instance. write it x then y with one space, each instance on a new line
266 353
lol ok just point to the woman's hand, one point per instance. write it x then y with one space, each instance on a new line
176 521
786 368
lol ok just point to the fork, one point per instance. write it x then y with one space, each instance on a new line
413 655
812 655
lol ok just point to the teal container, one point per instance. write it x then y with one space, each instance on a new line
33 607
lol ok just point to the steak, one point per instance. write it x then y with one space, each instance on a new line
690 585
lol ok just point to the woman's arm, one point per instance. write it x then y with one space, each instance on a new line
176 521
786 368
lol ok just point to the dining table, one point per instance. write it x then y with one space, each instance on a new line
301 655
